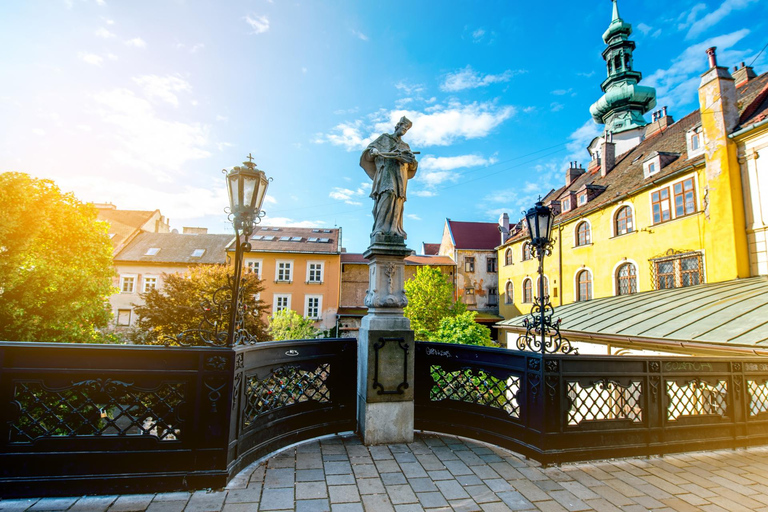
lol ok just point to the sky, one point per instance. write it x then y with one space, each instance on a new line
142 103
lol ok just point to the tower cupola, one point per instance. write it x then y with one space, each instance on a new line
622 106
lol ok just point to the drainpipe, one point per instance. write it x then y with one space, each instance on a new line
560 262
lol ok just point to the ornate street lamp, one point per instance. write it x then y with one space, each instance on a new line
541 333
247 187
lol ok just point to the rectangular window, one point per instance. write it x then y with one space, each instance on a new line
660 205
679 271
253 267
582 199
284 271
491 264
313 306
123 317
127 284
150 283
685 198
469 264
315 272
282 302
566 204
493 296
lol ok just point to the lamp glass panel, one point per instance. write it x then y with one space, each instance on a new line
530 219
233 184
249 185
544 219
261 192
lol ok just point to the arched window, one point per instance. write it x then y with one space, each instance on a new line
527 253
626 279
546 286
508 293
623 223
617 62
508 257
584 286
527 290
583 236
626 61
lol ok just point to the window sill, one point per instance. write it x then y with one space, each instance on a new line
313 282
625 234
681 217
590 244
283 281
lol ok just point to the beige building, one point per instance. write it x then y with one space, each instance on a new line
125 225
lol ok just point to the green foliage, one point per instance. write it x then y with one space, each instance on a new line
55 264
178 306
464 330
430 299
289 325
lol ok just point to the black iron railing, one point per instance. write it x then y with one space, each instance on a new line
84 419
565 408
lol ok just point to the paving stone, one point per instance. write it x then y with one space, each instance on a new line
335 457
498 506
422 485
310 475
338 468
172 496
550 506
311 490
498 485
515 501
393 478
340 479
443 474
405 457
430 462
279 477
602 505
127 503
465 505
169 506
14 505
370 486
243 496
387 466
568 500
313 506
451 489
506 470
457 467
239 507
548 485
347 507
55 504
413 470
481 493
276 499
431 499
466 480
203 501
94 503
409 507
399 494
365 471
530 490
380 453
377 503
343 493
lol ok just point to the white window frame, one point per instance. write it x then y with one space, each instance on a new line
260 264
319 298
656 161
123 277
289 264
322 272
634 219
117 317
576 283
144 282
522 291
546 286
276 297
509 298
615 274
576 233
689 142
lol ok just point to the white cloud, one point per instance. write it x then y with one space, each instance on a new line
468 78
423 193
349 196
562 92
268 199
448 163
528 110
556 107
146 141
714 17
409 89
111 56
104 33
109 22
290 223
196 47
221 118
359 35
434 178
136 42
259 24
163 87
587 75
581 137
413 216
438 125
91 58
221 146
677 84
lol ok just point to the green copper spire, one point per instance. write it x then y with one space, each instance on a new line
622 106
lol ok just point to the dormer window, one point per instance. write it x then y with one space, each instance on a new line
582 198
652 165
695 139
566 204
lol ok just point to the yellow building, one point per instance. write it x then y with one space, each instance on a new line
659 206
300 268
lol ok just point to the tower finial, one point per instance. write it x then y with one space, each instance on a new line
615 11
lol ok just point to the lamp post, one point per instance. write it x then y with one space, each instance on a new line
247 187
541 333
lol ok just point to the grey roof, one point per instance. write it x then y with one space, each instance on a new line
732 313
292 239
176 248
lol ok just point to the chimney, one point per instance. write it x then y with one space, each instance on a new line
573 173
608 152
659 120
743 74
717 97
504 226
712 57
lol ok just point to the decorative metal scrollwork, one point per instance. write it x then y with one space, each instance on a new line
476 387
604 400
216 363
696 397
97 407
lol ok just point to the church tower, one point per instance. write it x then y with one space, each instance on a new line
622 106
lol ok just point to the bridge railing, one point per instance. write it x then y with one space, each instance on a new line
566 408
79 419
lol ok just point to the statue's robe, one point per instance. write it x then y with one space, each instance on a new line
390 179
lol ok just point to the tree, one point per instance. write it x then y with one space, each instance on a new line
464 330
179 305
287 324
55 264
430 299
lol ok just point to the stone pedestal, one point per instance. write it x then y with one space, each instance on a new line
385 348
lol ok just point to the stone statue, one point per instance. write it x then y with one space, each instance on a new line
389 162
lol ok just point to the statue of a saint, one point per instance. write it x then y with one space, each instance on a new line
389 162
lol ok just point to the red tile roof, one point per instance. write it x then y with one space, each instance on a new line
482 236
431 249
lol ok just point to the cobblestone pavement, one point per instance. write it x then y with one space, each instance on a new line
444 473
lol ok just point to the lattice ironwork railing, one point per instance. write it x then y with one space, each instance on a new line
286 386
99 407
696 398
604 400
476 387
758 397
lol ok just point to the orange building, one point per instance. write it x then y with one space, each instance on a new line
300 268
